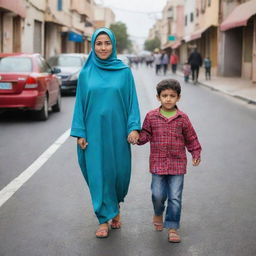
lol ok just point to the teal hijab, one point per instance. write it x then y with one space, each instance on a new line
106 111
111 63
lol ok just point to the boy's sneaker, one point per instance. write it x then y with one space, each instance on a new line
173 236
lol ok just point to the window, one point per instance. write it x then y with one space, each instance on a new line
44 67
170 13
203 6
59 5
186 20
191 17
15 64
197 12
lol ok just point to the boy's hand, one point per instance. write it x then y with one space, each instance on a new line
82 143
196 162
133 137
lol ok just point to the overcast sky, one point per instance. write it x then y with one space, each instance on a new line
138 15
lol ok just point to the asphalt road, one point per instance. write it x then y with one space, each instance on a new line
51 214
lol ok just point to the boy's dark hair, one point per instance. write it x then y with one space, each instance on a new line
168 84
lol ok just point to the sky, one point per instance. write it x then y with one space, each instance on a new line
138 15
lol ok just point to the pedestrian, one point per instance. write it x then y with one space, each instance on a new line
164 62
186 71
106 117
157 60
195 61
174 61
207 67
169 131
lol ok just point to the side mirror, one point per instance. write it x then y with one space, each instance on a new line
56 70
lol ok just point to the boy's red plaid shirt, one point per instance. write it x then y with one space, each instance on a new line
169 138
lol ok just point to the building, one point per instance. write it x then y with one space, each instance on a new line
12 23
172 25
204 33
103 16
46 26
237 52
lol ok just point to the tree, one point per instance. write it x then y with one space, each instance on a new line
122 38
150 45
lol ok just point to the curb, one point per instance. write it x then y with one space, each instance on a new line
248 100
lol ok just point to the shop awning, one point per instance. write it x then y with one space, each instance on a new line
239 16
197 34
187 38
176 45
18 7
73 36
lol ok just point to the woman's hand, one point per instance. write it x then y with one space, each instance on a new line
82 143
133 137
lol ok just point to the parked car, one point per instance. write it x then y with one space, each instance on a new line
28 82
70 65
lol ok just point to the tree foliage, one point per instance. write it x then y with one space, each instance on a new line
122 38
150 45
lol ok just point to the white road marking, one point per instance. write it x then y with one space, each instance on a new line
8 191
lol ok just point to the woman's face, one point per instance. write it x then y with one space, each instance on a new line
103 46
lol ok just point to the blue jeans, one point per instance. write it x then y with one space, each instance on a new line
168 187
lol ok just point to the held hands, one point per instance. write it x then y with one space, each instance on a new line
196 162
133 137
82 143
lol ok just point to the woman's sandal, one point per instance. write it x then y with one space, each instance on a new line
158 223
116 223
173 236
102 232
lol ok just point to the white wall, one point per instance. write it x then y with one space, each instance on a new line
28 31
189 8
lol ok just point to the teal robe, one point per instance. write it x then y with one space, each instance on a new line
106 111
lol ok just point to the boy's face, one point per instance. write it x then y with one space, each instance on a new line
168 99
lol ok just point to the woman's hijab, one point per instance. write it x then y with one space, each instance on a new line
111 63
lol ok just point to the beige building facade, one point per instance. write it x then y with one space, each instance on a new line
103 17
49 27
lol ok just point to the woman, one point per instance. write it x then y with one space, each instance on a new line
106 118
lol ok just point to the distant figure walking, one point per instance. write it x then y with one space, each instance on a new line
164 62
157 60
207 67
174 61
195 61
186 71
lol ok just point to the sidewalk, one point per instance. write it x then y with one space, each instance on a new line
233 86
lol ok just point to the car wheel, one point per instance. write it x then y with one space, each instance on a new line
57 106
42 114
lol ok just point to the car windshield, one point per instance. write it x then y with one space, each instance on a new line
66 61
15 64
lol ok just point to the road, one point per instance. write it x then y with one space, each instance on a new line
51 214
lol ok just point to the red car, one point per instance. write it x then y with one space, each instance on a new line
28 82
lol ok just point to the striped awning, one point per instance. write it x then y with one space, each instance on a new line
239 16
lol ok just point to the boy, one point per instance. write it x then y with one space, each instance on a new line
169 131
207 67
186 71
